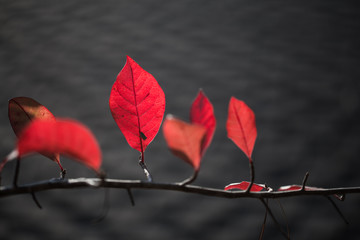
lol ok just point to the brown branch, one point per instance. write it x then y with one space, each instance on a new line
136 184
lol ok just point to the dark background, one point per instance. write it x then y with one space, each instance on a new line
296 64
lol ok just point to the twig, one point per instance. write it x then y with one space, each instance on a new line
284 214
264 223
337 210
273 218
136 184
105 208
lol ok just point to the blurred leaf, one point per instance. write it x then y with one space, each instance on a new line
184 140
202 112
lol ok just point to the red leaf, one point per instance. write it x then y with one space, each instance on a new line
244 185
66 137
184 139
202 112
241 127
137 104
22 110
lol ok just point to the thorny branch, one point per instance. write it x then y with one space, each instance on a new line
6 191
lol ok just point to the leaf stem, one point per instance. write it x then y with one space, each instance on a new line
17 170
190 179
252 175
143 166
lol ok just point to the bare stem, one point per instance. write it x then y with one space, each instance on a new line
17 169
273 218
143 166
56 183
252 175
337 210
190 179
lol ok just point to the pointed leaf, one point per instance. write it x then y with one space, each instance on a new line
202 112
137 104
66 137
241 127
244 185
22 110
184 139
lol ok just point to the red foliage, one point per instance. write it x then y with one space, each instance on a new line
137 104
241 127
22 110
184 140
202 112
66 137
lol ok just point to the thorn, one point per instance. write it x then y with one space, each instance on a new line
131 197
304 181
35 200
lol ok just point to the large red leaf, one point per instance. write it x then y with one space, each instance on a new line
137 104
244 185
241 127
202 112
66 137
22 110
184 140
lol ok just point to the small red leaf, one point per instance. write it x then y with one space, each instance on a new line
22 110
184 140
66 137
137 104
241 127
202 112
244 185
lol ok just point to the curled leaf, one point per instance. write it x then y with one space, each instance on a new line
23 110
137 104
241 127
63 136
244 185
184 140
202 112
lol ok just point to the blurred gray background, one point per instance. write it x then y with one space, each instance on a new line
296 64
